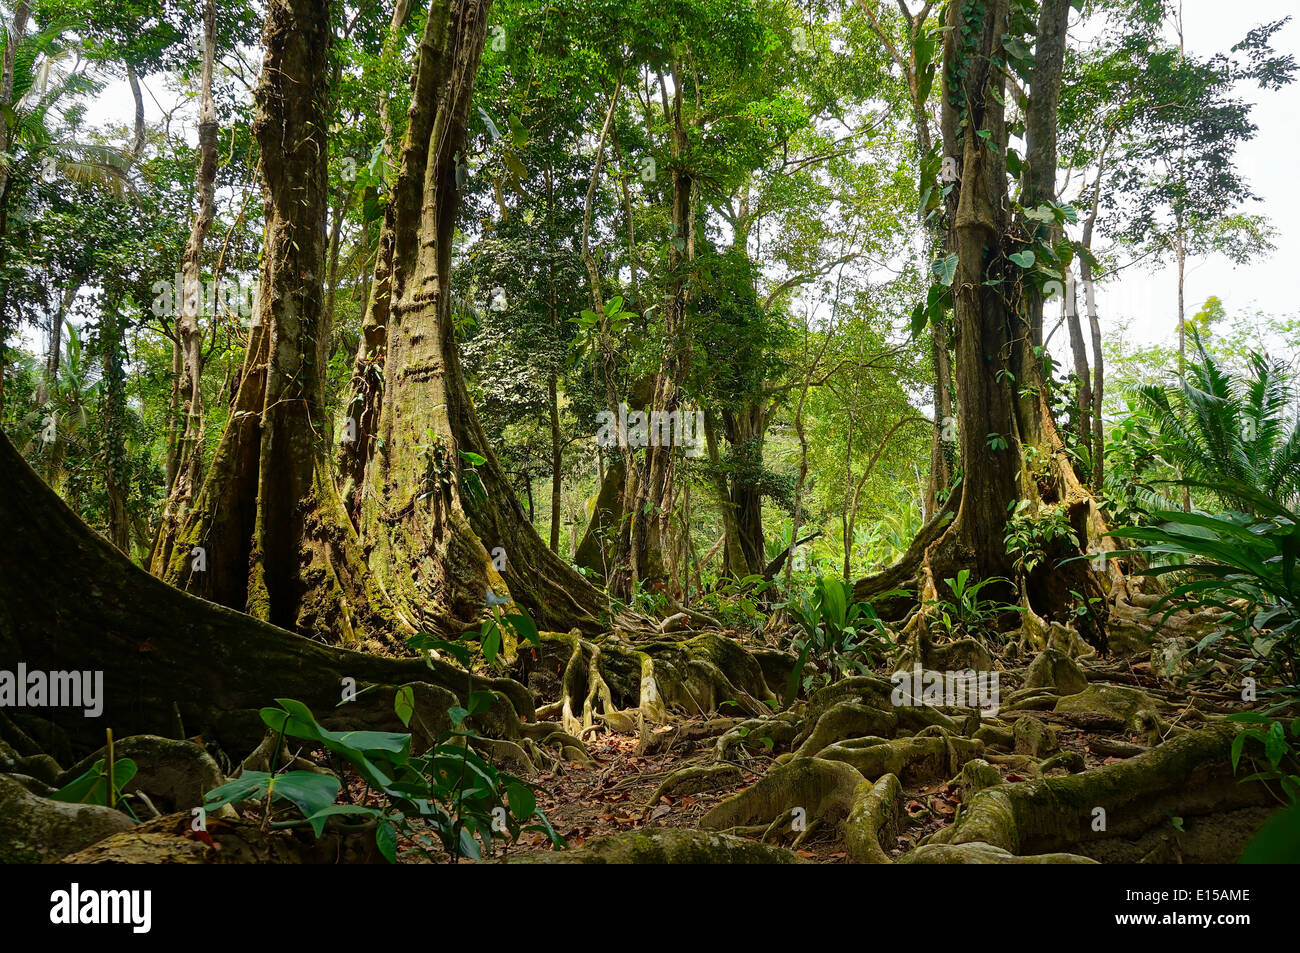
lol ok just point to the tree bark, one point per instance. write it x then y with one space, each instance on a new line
169 659
116 475
185 464
1004 404
268 532
429 514
651 510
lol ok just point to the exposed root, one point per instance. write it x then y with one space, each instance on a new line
696 780
977 853
1190 776
924 757
667 845
775 733
821 790
873 821
631 686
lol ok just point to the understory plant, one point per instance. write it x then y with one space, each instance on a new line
1241 565
103 783
1031 532
736 603
449 793
837 636
968 614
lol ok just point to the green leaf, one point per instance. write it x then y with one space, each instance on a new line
1025 259
515 166
523 803
1278 841
248 785
386 840
404 704
309 791
945 269
92 786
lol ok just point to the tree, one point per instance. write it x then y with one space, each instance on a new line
267 532
913 50
437 501
1001 267
185 458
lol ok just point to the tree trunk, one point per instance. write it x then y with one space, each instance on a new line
1082 373
361 425
557 460
1180 250
116 476
1098 447
185 463
651 508
1004 404
429 514
268 532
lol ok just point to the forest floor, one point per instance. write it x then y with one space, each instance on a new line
613 795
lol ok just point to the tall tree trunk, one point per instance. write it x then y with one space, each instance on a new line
746 428
116 474
1082 373
918 88
651 511
733 561
557 460
429 515
1098 447
185 462
362 411
1180 251
268 532
137 139
17 30
1004 402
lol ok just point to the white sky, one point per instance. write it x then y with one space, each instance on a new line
1269 162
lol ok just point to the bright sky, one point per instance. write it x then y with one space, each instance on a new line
1269 162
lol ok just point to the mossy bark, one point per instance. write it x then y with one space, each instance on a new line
1003 406
268 532
432 518
1188 776
185 470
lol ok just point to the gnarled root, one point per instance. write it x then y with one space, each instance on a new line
807 790
1098 812
932 754
629 685
667 845
697 779
169 840
873 821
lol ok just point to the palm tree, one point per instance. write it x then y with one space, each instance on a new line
37 77
38 70
1226 431
66 400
